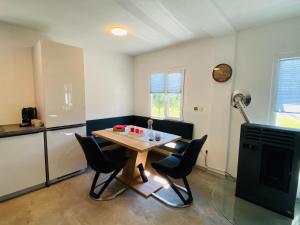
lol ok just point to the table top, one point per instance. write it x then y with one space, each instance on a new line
137 142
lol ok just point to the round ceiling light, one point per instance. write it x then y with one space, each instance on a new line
118 31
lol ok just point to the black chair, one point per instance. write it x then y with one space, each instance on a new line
179 167
179 147
110 161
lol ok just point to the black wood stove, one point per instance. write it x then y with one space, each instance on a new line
268 167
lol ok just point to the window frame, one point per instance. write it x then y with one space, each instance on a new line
166 94
274 83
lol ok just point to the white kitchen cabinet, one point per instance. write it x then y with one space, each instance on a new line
22 162
65 155
59 83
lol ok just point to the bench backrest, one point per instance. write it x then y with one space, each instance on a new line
183 129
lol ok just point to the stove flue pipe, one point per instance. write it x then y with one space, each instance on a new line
240 100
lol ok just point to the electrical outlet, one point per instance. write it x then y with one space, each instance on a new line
198 109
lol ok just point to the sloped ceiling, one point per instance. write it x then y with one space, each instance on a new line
152 24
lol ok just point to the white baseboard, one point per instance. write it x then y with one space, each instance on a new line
210 169
215 171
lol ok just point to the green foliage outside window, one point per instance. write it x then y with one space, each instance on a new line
288 120
158 105
174 105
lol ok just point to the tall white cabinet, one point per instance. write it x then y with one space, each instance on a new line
59 83
60 95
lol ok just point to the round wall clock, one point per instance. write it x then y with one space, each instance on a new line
222 72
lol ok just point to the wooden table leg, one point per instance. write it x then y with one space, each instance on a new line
130 170
131 175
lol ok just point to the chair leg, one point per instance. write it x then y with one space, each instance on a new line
185 201
174 187
96 196
188 190
96 177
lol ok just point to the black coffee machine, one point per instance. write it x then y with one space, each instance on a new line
27 115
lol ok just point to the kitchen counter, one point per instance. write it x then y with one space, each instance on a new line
15 130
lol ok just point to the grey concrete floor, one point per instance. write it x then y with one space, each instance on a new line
240 212
68 203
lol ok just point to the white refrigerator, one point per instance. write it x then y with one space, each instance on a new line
60 97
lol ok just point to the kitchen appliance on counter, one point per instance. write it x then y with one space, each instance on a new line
60 94
27 115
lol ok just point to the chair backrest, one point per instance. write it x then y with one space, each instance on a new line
190 156
92 151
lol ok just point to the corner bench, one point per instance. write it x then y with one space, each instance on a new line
183 129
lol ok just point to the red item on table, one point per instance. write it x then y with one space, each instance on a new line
137 130
132 129
119 128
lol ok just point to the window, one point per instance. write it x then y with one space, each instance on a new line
166 95
288 93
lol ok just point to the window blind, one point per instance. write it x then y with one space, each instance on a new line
157 83
288 89
174 84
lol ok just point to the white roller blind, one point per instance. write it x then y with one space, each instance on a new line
157 83
174 84
288 90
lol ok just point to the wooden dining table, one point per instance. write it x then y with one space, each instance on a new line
139 146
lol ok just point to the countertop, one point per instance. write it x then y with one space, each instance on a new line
15 130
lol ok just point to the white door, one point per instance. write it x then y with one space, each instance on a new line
65 155
22 162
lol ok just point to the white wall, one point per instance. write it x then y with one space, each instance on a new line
252 55
220 107
108 76
198 59
109 83
257 50
16 74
